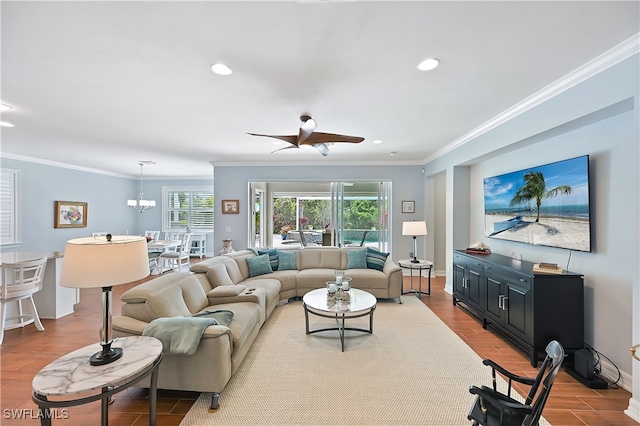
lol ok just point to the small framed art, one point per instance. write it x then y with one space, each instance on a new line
70 214
408 207
230 206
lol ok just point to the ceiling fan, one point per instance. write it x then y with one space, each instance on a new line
307 136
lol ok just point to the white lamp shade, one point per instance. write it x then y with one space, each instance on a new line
96 262
415 227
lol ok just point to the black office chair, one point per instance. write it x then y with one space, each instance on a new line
492 408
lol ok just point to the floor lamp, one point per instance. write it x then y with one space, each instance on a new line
104 262
414 228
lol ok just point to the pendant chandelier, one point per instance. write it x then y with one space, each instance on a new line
141 204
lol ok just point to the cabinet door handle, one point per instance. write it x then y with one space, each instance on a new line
505 299
465 283
500 301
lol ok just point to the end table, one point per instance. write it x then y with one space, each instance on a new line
70 376
420 266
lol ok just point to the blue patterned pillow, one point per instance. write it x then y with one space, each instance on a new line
286 260
259 265
273 257
356 259
375 259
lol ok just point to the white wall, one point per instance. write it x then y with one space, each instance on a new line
598 117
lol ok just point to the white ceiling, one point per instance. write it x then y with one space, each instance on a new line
104 85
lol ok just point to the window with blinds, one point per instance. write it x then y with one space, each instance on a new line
9 206
190 207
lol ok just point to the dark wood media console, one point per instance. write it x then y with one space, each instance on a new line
529 309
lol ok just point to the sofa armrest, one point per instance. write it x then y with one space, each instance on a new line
390 267
127 326
250 294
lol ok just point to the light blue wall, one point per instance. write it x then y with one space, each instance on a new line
232 182
41 185
598 117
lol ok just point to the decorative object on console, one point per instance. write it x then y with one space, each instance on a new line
70 214
104 262
546 268
414 228
227 246
479 248
141 204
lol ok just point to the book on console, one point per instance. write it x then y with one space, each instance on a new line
546 268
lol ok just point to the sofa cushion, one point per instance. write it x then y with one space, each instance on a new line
222 316
356 259
227 290
286 260
219 276
375 259
259 265
167 302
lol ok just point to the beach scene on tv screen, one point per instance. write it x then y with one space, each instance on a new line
546 205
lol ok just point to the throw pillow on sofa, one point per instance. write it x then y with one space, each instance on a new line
286 260
356 259
273 257
259 265
375 259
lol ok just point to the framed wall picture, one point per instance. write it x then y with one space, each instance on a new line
230 206
70 214
408 207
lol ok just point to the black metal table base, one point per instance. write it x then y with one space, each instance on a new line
340 318
419 268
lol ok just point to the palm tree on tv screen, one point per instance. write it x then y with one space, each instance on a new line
535 188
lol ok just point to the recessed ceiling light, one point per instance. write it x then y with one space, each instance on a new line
5 107
392 153
221 69
377 141
428 64
6 124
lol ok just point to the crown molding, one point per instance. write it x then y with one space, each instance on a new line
615 55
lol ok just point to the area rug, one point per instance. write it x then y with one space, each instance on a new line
413 370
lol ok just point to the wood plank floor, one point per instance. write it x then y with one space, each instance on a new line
26 351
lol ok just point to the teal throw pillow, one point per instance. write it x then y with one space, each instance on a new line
259 265
286 260
356 259
273 257
375 259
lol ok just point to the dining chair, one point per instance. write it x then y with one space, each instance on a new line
494 408
20 281
178 258
173 235
153 253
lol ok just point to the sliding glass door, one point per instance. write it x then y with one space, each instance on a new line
329 213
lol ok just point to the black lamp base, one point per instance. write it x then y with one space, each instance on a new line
106 356
415 260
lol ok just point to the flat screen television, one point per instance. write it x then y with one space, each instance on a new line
546 205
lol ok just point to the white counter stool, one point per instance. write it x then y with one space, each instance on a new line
20 281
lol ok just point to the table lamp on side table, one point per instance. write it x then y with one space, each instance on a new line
414 228
104 262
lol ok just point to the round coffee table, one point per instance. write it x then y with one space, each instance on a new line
361 304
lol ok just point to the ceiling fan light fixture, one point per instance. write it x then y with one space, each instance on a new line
429 64
221 69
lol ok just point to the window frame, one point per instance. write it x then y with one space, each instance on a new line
189 190
13 205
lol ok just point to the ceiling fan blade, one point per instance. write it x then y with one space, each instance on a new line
286 147
307 128
322 148
319 137
292 139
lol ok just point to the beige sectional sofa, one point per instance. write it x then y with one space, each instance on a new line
226 283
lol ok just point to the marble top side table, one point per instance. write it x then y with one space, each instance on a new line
71 380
